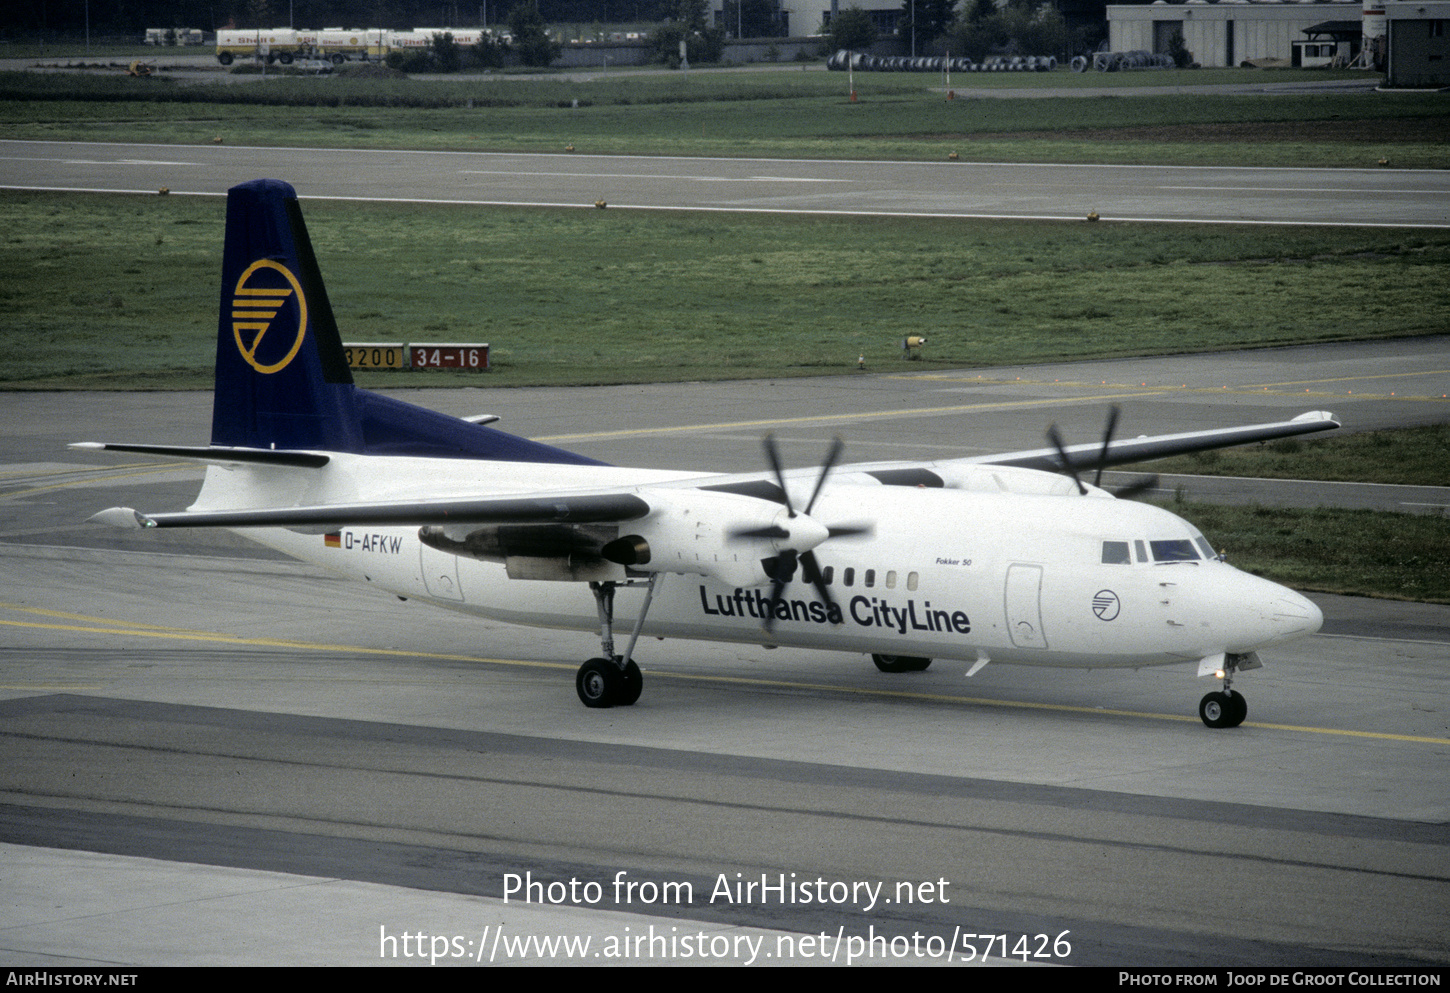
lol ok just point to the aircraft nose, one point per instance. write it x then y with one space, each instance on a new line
1294 616
1264 613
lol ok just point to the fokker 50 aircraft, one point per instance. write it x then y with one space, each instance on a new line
1008 558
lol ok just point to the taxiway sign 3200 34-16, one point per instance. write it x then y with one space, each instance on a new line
1002 558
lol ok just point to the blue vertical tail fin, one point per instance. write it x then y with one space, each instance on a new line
282 379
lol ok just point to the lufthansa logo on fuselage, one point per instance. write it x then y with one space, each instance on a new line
256 306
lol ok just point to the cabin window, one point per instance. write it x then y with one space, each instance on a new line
891 579
1116 553
870 578
827 574
849 577
911 578
1177 550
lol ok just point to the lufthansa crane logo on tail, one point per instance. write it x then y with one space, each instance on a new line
269 316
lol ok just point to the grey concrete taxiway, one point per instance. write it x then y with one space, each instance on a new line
211 755
1401 198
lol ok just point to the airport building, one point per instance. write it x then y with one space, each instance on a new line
801 18
1236 31
1418 43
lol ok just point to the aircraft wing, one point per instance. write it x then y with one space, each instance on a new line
1093 454
1080 457
1143 448
619 504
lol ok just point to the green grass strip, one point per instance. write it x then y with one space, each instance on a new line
118 291
782 114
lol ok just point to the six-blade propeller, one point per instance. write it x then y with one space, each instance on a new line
803 532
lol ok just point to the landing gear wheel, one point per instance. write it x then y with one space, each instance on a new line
900 663
1240 707
1223 710
631 684
601 684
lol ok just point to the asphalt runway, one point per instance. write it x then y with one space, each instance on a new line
210 755
1383 197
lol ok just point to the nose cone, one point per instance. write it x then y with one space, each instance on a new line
1266 614
1294 616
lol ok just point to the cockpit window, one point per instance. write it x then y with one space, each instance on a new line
1206 548
1177 550
1116 553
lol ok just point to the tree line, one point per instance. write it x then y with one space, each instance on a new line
978 29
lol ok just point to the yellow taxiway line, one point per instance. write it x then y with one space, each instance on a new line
97 625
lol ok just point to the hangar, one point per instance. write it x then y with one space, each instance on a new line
1222 34
1419 50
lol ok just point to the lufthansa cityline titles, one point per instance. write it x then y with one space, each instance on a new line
866 612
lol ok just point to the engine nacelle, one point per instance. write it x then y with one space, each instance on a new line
700 532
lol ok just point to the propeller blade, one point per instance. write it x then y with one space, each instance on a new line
837 445
811 569
769 531
1137 487
783 571
1055 436
782 568
772 455
1108 430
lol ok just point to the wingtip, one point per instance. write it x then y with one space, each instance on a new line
123 517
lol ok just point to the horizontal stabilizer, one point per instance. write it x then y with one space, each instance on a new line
590 508
215 454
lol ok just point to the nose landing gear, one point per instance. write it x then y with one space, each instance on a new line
1227 708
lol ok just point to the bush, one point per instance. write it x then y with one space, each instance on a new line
852 30
1182 57
531 41
445 53
488 54
1011 30
705 45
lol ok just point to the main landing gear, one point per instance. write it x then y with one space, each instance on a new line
900 663
614 680
1226 708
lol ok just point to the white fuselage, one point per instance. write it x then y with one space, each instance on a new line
1043 577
